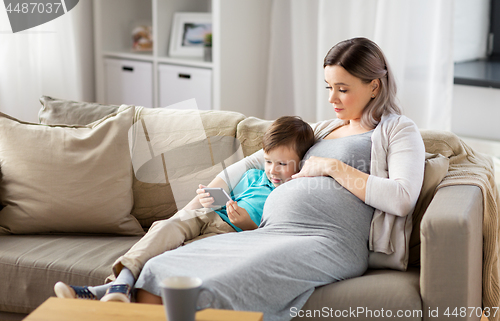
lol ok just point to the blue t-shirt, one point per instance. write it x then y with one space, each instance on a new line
251 193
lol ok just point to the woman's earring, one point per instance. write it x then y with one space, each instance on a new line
373 95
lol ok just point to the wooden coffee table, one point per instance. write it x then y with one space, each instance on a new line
55 309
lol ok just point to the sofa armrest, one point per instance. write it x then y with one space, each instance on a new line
452 252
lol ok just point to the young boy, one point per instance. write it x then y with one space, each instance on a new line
284 144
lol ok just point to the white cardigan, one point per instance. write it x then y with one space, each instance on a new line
393 187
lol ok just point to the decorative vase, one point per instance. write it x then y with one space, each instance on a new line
207 54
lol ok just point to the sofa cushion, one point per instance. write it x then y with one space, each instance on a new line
376 291
56 111
250 132
58 179
34 263
181 149
436 167
441 142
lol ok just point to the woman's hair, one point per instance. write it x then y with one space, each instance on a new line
363 59
289 131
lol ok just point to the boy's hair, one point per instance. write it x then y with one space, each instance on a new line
290 131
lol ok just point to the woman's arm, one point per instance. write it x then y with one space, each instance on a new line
397 191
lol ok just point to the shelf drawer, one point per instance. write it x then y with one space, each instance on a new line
179 83
129 82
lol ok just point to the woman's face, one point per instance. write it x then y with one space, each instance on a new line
348 94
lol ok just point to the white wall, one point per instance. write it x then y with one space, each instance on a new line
471 25
54 59
241 36
475 118
476 112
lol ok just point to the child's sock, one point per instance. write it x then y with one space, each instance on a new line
100 290
120 291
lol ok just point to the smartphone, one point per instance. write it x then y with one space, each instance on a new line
219 194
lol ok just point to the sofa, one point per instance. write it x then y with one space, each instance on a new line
80 188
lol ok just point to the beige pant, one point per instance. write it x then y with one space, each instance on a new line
184 227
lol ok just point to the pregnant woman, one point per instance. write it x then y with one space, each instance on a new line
317 228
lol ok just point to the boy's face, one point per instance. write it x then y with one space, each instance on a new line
281 163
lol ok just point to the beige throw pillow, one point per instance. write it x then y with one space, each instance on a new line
436 167
67 179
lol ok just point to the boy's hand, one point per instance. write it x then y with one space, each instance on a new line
204 198
239 216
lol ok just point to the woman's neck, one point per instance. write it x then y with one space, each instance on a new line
352 128
354 124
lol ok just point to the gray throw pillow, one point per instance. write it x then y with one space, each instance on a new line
66 112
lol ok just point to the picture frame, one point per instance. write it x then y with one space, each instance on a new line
188 33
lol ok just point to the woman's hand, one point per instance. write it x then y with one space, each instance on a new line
204 198
239 216
317 166
349 177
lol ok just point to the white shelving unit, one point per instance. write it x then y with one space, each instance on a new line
240 31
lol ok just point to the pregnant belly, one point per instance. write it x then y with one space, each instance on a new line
316 204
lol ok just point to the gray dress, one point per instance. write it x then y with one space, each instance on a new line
313 232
